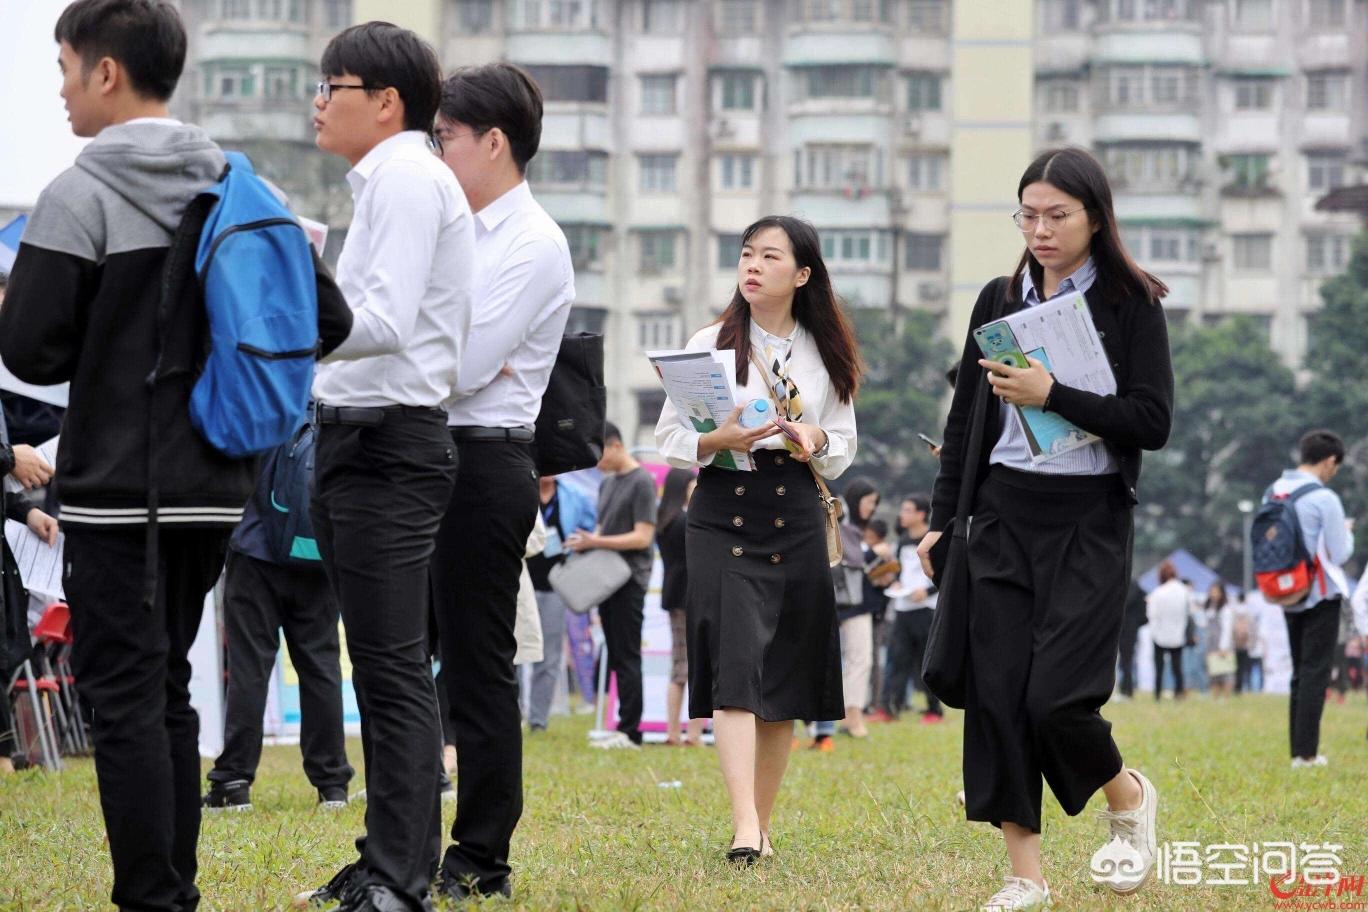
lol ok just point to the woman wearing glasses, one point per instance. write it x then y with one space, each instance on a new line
1050 544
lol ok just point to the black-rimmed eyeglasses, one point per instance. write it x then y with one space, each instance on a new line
327 88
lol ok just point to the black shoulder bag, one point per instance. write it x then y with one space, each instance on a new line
945 667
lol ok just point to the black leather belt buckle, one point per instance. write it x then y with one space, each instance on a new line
350 415
499 435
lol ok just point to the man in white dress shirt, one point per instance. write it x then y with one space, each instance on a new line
488 128
385 464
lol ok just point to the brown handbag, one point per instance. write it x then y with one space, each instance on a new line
830 507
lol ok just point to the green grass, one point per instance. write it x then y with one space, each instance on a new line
872 826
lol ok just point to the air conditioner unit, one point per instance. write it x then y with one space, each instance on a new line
912 126
1056 131
930 292
722 129
673 294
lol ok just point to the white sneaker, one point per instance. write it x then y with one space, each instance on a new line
1018 893
615 741
1318 760
1127 860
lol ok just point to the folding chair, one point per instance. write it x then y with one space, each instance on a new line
52 636
25 682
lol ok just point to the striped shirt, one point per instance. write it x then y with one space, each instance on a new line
1011 449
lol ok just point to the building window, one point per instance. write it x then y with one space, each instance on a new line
1152 244
269 9
570 83
922 252
737 17
579 168
842 167
842 81
736 171
657 331
927 16
1166 85
1324 171
1326 14
233 84
475 17
1249 171
926 171
282 82
924 91
659 173
1253 93
856 247
662 17
236 9
1145 10
1152 166
586 320
1252 252
585 243
337 14
1059 96
1061 15
1327 254
553 15
1254 15
1327 91
658 94
738 91
728 251
657 251
1137 87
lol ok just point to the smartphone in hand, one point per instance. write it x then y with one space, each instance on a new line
931 444
998 343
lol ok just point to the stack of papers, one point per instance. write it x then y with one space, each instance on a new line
701 385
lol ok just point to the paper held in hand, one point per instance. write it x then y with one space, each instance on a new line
1061 335
701 385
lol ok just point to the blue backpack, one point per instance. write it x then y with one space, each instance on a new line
1283 568
289 530
261 298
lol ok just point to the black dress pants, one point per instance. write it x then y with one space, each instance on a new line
1175 659
261 598
1312 635
379 495
474 577
1049 564
134 674
1127 660
906 650
621 616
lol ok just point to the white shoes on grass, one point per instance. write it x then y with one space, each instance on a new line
615 741
1018 893
1302 762
1127 860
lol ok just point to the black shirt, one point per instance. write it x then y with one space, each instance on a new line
671 539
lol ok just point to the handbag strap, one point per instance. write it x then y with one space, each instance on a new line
974 451
769 390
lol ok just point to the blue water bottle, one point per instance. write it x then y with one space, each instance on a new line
756 414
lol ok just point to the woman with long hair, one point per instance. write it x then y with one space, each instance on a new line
763 643
855 604
670 538
1050 543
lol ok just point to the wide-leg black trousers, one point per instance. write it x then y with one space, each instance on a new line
1049 561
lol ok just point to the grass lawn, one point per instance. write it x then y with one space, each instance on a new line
874 825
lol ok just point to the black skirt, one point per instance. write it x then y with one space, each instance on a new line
763 634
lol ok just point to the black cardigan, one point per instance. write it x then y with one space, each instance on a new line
1138 417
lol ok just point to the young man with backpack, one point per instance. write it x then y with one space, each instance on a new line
103 294
1299 540
274 580
385 460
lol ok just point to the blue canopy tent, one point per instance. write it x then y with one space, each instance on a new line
1189 568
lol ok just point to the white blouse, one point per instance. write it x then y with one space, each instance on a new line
821 407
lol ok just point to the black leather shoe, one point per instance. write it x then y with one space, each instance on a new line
460 889
335 890
744 856
378 898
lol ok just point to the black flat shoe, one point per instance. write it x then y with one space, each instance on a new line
744 856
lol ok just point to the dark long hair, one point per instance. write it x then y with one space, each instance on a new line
857 490
1078 174
815 307
673 496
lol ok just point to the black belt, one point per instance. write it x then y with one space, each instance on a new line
505 435
372 416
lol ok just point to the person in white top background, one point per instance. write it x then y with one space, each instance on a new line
385 462
1168 609
762 630
488 128
913 601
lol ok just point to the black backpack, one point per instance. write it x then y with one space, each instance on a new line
574 408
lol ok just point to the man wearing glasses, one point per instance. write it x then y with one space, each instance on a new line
385 463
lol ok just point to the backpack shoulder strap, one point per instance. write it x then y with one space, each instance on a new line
1303 491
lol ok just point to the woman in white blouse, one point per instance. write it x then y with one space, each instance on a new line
763 639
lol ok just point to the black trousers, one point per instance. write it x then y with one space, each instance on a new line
1243 668
379 495
1049 563
474 577
1175 657
261 598
134 673
1127 660
906 649
621 617
1312 635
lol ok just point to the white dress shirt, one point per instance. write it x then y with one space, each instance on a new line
821 407
1167 608
524 285
408 273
